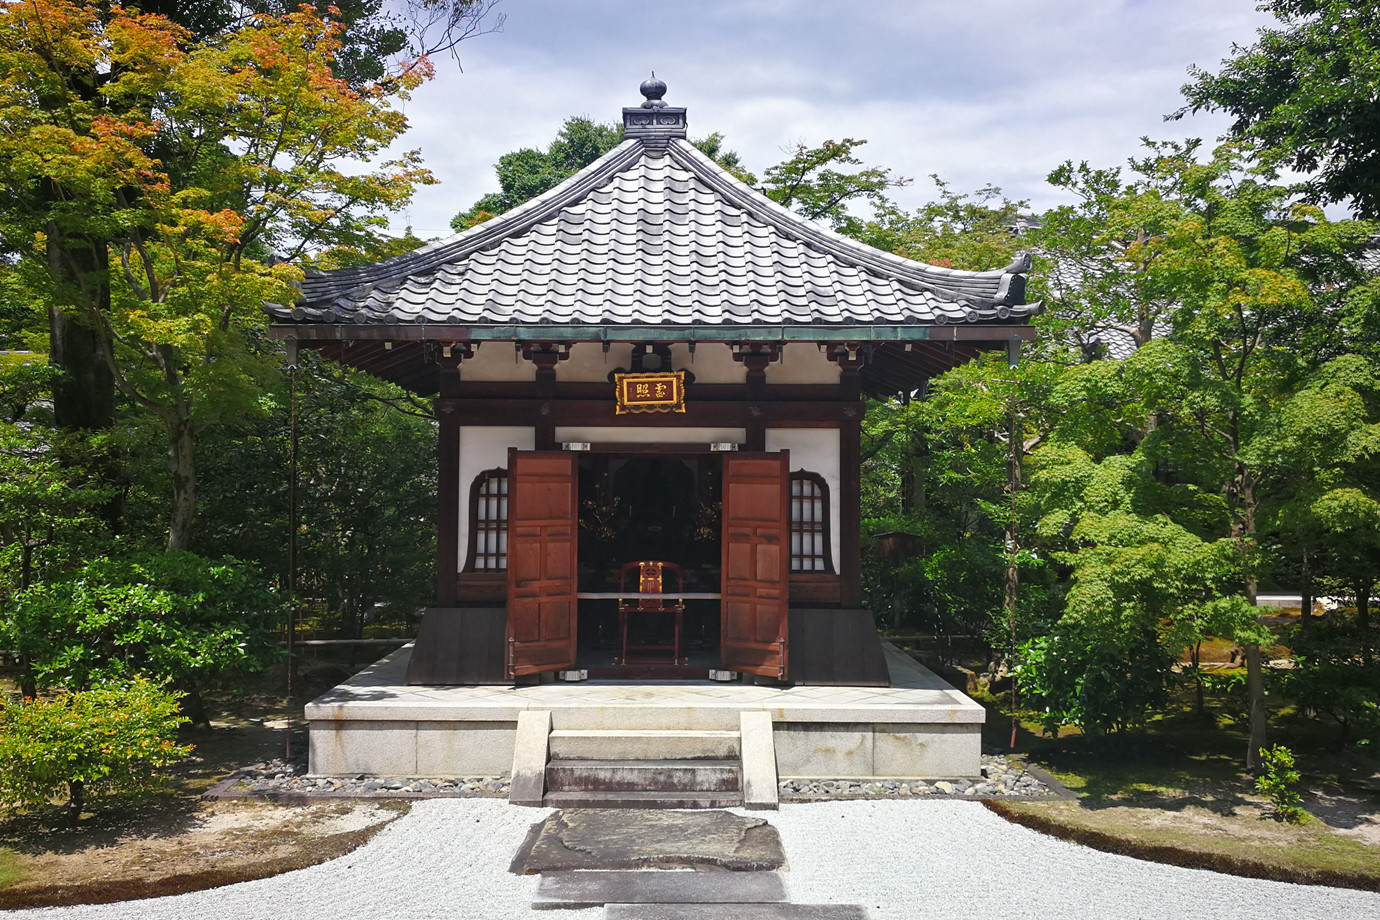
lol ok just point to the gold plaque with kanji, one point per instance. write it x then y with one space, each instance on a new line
650 392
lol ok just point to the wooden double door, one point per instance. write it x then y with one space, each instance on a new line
543 569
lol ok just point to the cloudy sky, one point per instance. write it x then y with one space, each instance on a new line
976 91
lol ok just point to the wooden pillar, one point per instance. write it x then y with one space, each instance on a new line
756 358
447 485
545 357
850 506
850 363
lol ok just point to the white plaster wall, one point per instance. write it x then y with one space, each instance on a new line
497 361
712 363
485 447
802 362
588 363
608 435
817 451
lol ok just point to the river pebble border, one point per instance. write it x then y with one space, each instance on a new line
280 779
1002 777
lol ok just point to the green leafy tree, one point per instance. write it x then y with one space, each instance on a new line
108 739
365 495
524 174
1304 96
1085 273
189 620
1246 285
49 510
1329 678
818 183
976 231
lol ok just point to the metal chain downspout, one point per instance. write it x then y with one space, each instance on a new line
291 545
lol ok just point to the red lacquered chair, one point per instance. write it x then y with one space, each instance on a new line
650 577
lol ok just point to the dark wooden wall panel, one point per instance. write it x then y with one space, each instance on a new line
460 646
836 648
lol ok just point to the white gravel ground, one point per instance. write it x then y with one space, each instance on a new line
900 859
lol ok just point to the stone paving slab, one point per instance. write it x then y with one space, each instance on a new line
602 838
574 890
734 912
380 692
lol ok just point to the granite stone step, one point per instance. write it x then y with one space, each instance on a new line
643 799
735 912
643 775
577 890
643 744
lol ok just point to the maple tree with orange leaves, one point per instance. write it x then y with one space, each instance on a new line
158 185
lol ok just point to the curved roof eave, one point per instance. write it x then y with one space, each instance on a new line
945 281
328 285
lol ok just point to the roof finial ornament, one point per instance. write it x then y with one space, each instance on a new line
653 89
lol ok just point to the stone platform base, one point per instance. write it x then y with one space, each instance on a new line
918 728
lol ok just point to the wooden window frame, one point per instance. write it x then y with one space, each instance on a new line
476 487
796 529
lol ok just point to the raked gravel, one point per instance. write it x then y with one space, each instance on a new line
945 859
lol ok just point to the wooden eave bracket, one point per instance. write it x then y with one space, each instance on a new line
849 356
755 356
545 355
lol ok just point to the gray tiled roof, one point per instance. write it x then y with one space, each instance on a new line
656 234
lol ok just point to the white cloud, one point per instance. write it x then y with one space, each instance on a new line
983 91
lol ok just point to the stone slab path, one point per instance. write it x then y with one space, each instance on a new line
737 912
897 859
658 886
615 838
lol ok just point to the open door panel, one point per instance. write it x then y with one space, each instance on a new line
542 570
756 543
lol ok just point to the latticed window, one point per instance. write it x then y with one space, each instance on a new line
809 523
489 522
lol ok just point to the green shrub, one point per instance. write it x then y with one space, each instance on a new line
110 739
1331 678
1278 781
1102 683
175 615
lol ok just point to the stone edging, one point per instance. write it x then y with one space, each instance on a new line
1004 777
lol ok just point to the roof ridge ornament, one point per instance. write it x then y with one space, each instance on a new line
653 89
654 123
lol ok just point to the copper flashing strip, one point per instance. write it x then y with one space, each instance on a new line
409 332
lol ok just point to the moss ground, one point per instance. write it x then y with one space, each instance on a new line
1176 791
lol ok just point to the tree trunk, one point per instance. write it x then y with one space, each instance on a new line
1306 601
1196 660
76 799
1244 493
182 467
1255 693
1011 585
84 396
1363 621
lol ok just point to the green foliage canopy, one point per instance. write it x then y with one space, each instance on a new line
1304 96
107 739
